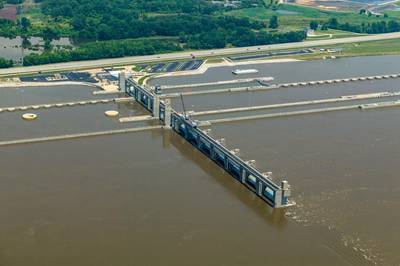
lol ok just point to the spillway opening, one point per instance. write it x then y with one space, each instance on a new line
251 181
234 170
220 160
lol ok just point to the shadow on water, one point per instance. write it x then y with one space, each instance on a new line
274 217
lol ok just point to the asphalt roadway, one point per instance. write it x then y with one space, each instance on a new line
187 55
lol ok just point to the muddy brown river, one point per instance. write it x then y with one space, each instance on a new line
150 198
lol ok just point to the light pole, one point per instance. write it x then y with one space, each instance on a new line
20 25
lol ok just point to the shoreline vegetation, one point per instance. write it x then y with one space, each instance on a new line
103 29
383 47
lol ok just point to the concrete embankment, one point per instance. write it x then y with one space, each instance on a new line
79 135
63 104
302 103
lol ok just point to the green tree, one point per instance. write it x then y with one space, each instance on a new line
25 24
313 25
4 63
47 45
50 34
333 23
273 22
25 42
78 22
393 26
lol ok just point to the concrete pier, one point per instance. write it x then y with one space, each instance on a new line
108 92
79 135
139 118
122 81
225 82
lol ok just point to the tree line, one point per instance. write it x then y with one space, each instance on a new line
241 37
171 25
105 49
382 26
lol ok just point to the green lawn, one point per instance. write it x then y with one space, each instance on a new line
385 47
374 47
293 17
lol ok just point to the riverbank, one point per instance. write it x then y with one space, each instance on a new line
90 64
368 48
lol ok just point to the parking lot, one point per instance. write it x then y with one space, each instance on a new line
173 66
69 76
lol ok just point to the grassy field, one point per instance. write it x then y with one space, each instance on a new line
385 47
294 17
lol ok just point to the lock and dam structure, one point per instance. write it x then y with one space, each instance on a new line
276 195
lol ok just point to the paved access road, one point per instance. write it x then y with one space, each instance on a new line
188 55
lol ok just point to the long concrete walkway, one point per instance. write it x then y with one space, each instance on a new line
79 135
303 112
188 55
302 103
224 82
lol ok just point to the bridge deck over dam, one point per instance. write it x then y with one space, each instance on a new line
276 195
